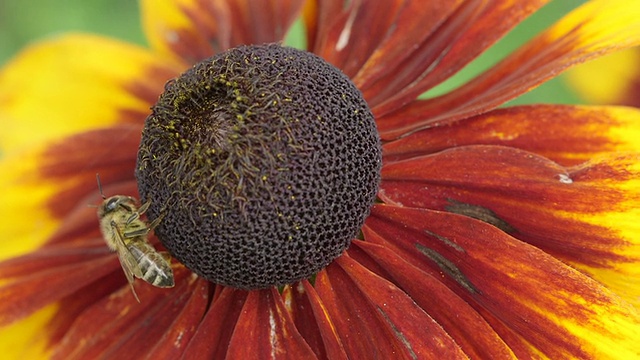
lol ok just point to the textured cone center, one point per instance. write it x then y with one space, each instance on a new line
264 161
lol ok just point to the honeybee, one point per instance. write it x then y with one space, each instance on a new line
126 234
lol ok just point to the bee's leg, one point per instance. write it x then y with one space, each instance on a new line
142 209
131 234
155 222
136 214
133 217
144 230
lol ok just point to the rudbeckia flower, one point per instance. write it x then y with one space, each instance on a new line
315 205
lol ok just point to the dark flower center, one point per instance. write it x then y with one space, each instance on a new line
264 161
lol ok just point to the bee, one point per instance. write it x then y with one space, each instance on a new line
126 234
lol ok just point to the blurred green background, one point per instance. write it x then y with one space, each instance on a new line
24 21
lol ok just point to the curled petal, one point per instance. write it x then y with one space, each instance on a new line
566 134
527 296
387 321
585 215
193 30
78 82
598 27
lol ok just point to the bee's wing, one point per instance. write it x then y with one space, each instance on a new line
127 261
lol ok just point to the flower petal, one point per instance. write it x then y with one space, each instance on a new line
586 215
265 330
387 321
194 30
345 39
524 293
312 321
472 28
597 28
613 79
565 134
212 337
389 58
29 278
60 180
25 339
119 327
463 323
180 332
78 82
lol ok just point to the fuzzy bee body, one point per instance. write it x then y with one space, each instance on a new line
126 234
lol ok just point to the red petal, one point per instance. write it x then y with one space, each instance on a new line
571 215
346 40
519 289
563 133
213 335
195 30
312 321
119 327
375 318
178 335
586 33
43 286
474 335
417 36
265 330
474 27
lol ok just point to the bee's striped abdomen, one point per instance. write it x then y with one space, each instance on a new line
155 269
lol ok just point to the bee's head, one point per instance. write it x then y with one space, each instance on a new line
116 202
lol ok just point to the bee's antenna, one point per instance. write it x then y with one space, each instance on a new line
100 186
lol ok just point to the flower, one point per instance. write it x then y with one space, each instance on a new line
497 232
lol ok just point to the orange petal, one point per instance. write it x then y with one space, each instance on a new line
565 134
371 315
586 216
526 295
598 27
194 30
75 83
393 54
